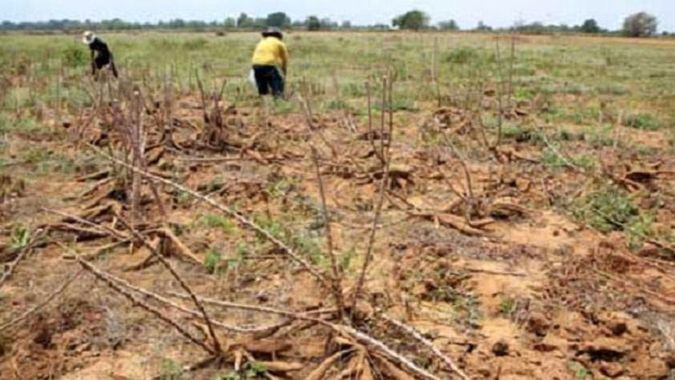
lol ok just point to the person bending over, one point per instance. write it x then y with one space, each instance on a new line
101 57
270 63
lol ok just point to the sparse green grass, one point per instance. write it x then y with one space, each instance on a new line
610 209
218 221
212 261
170 370
507 307
580 372
553 159
642 121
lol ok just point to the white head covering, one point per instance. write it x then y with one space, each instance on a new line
88 37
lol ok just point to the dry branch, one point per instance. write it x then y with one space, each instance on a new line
183 284
52 296
182 248
383 193
415 334
99 227
181 308
138 302
228 211
359 336
9 270
337 273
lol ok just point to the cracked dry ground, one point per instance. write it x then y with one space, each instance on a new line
524 292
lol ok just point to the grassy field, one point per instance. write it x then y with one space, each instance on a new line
510 198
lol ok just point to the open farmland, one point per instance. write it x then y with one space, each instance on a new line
424 205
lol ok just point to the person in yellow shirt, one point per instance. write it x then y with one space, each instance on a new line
270 63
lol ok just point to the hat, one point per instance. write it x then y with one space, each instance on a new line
273 32
88 37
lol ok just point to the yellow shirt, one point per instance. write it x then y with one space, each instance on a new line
271 51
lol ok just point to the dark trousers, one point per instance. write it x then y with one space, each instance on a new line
102 61
268 78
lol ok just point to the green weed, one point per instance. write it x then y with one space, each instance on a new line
552 159
74 56
462 55
170 370
218 221
580 372
507 307
610 209
21 236
642 121
212 262
280 188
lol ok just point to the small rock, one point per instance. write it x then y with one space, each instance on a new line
611 369
501 348
618 328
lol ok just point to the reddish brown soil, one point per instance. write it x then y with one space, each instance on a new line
536 296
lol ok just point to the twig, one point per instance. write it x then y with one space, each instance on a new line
344 330
555 151
495 272
23 252
184 250
405 362
233 214
52 296
425 342
337 274
176 306
183 284
380 203
96 226
371 133
138 302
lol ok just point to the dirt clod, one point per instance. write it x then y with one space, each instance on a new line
605 349
500 348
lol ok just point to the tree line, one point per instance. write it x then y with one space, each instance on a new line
639 24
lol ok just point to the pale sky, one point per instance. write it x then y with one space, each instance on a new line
467 13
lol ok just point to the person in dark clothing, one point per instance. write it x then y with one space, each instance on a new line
101 57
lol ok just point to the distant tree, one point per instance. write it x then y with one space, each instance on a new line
346 24
412 20
244 21
482 27
328 24
531 28
230 23
590 26
448 25
640 25
313 23
278 19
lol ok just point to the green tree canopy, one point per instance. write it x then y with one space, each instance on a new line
412 20
640 24
313 23
448 25
278 19
590 26
483 27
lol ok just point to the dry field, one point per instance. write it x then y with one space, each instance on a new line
423 206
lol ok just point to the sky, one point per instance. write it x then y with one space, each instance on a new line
497 13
